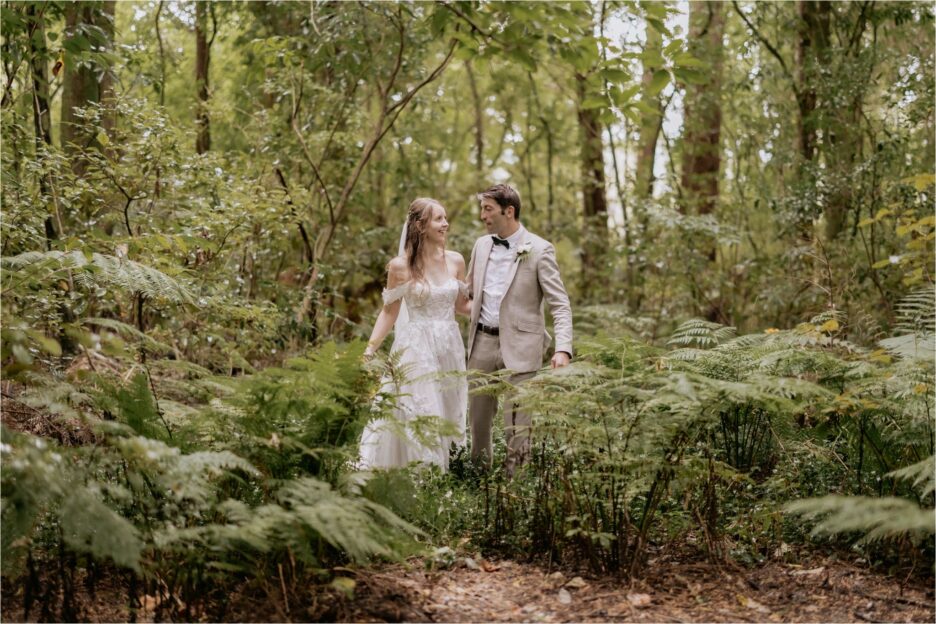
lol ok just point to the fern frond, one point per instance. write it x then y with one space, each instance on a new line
102 271
916 326
88 525
921 473
916 312
124 329
877 518
702 333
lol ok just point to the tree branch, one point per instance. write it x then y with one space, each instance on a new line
294 123
860 24
310 256
767 45
467 19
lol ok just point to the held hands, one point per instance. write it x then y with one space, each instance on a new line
560 359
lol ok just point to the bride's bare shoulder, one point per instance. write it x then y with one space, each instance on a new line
455 257
397 271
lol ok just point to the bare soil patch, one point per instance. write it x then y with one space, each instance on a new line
673 591
825 590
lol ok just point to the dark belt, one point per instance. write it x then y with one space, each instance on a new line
487 329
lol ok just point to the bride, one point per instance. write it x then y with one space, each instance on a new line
425 288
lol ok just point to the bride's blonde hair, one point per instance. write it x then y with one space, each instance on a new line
417 219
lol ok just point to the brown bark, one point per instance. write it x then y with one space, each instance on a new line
39 53
202 63
702 135
650 125
812 51
701 158
107 17
85 84
479 121
42 117
162 55
594 200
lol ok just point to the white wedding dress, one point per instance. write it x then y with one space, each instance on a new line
432 359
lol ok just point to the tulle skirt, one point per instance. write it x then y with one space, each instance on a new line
432 402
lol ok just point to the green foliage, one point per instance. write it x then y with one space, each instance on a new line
176 514
885 518
305 418
38 478
633 446
97 271
194 315
138 408
917 326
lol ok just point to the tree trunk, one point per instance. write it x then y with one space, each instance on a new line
811 54
202 62
650 125
701 158
85 84
39 57
42 118
106 85
842 128
478 123
594 201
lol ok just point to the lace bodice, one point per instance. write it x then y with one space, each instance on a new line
425 301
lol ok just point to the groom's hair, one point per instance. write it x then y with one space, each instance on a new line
505 196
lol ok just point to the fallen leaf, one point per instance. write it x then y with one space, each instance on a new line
639 600
577 583
556 576
812 572
489 567
750 603
564 596
344 585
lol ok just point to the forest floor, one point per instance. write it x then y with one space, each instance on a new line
674 590
669 591
673 587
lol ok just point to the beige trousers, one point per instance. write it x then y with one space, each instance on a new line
486 358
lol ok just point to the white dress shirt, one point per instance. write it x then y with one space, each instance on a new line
495 278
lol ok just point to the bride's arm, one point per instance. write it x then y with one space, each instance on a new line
462 302
396 275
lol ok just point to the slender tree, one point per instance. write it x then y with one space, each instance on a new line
86 82
203 9
701 158
650 124
701 155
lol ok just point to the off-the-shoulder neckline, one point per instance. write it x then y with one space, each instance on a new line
428 281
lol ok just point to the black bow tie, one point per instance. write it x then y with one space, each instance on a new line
501 241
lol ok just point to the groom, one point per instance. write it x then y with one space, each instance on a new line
510 275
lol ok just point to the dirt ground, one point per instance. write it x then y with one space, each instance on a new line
477 590
669 591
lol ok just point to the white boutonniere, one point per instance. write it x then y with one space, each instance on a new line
523 252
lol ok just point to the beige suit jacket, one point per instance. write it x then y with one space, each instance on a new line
532 279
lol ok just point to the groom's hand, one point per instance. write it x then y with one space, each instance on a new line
560 359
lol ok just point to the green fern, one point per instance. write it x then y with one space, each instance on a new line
921 473
877 518
89 525
152 345
916 327
99 270
704 334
